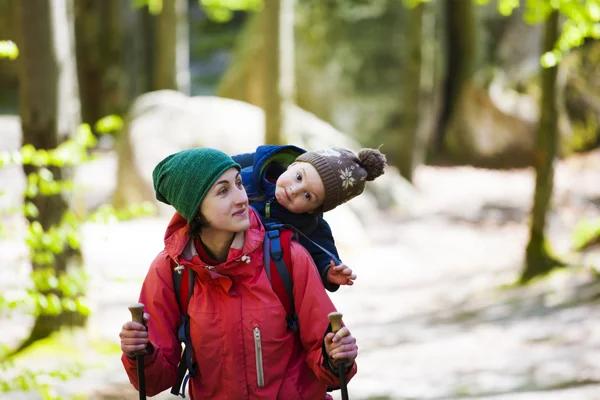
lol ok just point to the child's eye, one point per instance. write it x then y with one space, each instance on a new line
298 176
307 195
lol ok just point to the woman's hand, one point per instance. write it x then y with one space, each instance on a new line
134 337
340 274
341 346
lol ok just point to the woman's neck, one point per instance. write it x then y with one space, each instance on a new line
217 243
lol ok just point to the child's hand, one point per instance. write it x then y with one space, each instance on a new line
340 274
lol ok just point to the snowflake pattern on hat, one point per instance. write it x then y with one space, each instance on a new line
347 178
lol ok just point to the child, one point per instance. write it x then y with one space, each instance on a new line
292 186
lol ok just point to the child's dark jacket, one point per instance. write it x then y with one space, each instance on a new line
260 170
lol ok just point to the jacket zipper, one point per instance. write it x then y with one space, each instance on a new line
260 375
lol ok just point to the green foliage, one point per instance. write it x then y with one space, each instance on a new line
582 22
585 133
154 6
217 10
8 50
110 124
222 10
52 293
413 3
106 213
22 373
40 381
586 233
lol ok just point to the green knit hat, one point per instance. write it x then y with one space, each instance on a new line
183 179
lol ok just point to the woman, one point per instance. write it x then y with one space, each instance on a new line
239 333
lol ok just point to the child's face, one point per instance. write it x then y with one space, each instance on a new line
300 188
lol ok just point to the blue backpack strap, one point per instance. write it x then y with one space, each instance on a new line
186 364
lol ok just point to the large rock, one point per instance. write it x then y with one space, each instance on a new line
161 123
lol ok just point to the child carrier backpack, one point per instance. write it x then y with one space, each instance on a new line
278 267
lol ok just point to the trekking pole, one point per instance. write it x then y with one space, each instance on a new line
335 318
137 315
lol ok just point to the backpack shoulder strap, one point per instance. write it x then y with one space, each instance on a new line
278 267
302 234
184 292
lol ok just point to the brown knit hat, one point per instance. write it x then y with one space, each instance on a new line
343 173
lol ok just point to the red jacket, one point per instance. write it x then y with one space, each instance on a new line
231 305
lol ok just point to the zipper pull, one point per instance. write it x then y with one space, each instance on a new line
179 268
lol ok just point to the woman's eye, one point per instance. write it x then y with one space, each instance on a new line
239 184
307 195
298 176
223 191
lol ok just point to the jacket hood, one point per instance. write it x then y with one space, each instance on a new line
267 153
180 247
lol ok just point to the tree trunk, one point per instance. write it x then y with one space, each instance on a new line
90 58
287 62
101 70
538 258
49 111
244 78
271 64
411 94
172 47
139 49
461 30
278 65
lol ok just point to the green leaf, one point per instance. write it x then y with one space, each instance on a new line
52 282
30 210
155 6
549 59
109 124
40 158
32 191
69 304
27 153
54 305
45 175
42 302
82 306
73 240
593 10
85 137
506 7
36 229
8 49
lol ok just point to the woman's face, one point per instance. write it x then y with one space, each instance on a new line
225 206
300 188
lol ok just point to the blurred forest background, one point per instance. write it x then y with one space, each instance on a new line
488 112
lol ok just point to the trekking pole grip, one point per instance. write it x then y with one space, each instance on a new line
335 319
137 315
